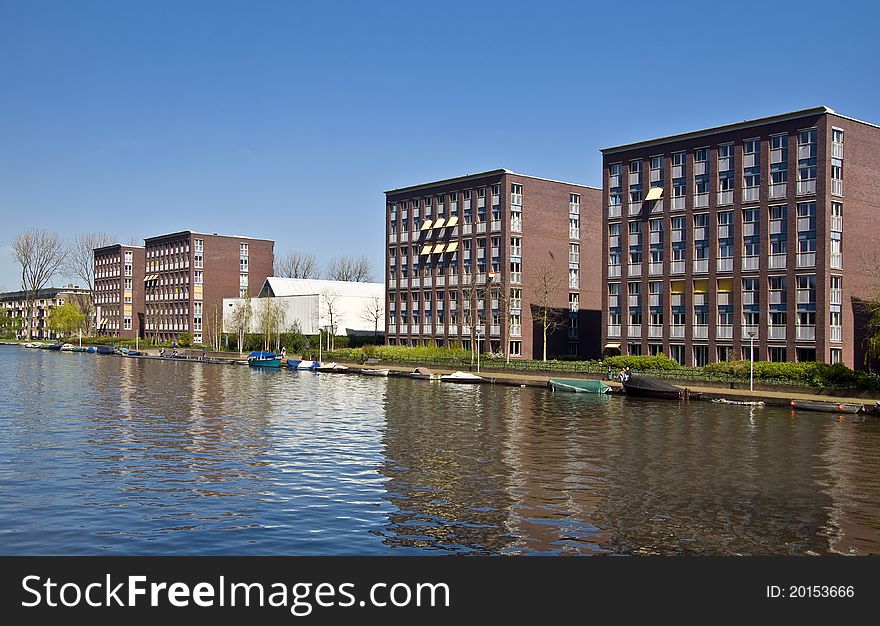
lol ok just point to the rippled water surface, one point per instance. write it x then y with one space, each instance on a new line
107 455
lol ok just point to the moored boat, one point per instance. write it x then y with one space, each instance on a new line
104 350
651 387
372 372
333 368
264 359
423 373
293 363
828 406
81 349
68 347
307 365
54 346
91 349
461 377
579 386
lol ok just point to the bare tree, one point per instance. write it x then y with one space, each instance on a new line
548 281
297 265
272 318
330 299
350 269
240 321
470 293
374 311
80 264
41 254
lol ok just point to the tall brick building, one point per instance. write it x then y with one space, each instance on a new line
466 259
753 231
188 274
119 291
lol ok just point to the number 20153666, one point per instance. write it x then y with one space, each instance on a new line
811 591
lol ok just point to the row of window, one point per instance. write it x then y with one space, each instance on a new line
700 354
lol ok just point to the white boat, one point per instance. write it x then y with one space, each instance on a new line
68 347
306 365
371 372
423 373
331 367
461 377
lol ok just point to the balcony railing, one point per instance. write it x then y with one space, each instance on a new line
700 298
699 168
634 330
724 298
453 280
613 271
724 331
676 331
724 264
654 299
614 210
776 332
440 281
414 282
700 331
635 208
749 329
806 259
614 330
777 227
573 282
656 237
495 331
806 186
836 260
836 296
806 296
701 266
613 300
836 333
495 225
777 262
836 187
701 200
805 333
778 190
427 281
725 197
481 227
655 332
634 300
678 203
635 269
404 236
676 267
750 263
392 238
836 223
655 269
516 226
751 194
776 296
574 233
750 229
676 299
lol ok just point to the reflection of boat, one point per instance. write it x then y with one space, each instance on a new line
738 402
104 350
423 373
68 347
370 372
461 377
134 353
333 368
264 359
579 386
81 349
822 405
650 387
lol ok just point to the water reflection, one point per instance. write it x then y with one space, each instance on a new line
128 456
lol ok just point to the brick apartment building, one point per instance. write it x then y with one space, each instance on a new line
13 305
188 274
754 231
476 248
119 291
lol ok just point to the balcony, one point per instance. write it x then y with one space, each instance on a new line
700 331
635 240
778 190
656 237
836 150
655 332
701 266
677 235
635 178
392 283
635 270
495 225
414 282
426 329
657 206
440 281
676 267
634 330
806 259
701 200
777 227
724 331
614 330
676 331
655 269
806 296
495 331
438 329
750 263
701 233
699 168
404 236
614 211
613 181
635 208
573 282
836 333
776 333
676 299
836 260
836 296
805 187
724 264
634 300
392 238
725 197
613 271
724 298
515 253
746 330
574 258
777 261
805 333
700 298
516 330
481 228
427 281
496 200
654 299
453 280
678 203
467 229
776 296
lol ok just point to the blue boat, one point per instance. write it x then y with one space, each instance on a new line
264 359
105 350
293 363
91 349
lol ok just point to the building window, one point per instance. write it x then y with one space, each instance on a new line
836 355
198 245
516 348
807 161
776 354
197 278
243 285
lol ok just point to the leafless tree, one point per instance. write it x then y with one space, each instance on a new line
80 264
41 255
547 280
374 311
297 265
350 269
272 318
470 291
330 299
240 321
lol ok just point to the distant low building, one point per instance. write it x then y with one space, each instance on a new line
314 305
13 306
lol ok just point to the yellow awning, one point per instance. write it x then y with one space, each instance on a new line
701 286
654 193
438 249
725 284
439 223
426 225
426 249
612 346
452 247
676 286
452 221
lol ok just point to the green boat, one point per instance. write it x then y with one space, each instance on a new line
579 386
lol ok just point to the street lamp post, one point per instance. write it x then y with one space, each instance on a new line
751 360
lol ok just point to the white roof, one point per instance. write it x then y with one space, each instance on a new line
282 287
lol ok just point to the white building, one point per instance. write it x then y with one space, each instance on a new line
313 303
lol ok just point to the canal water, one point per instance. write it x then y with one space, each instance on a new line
109 455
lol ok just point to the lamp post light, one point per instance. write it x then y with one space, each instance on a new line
751 360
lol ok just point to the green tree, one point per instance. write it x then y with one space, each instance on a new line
66 319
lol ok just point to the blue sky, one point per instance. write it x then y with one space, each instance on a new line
288 120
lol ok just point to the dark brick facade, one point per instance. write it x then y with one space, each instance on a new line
119 291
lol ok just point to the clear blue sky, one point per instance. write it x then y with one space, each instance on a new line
288 120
